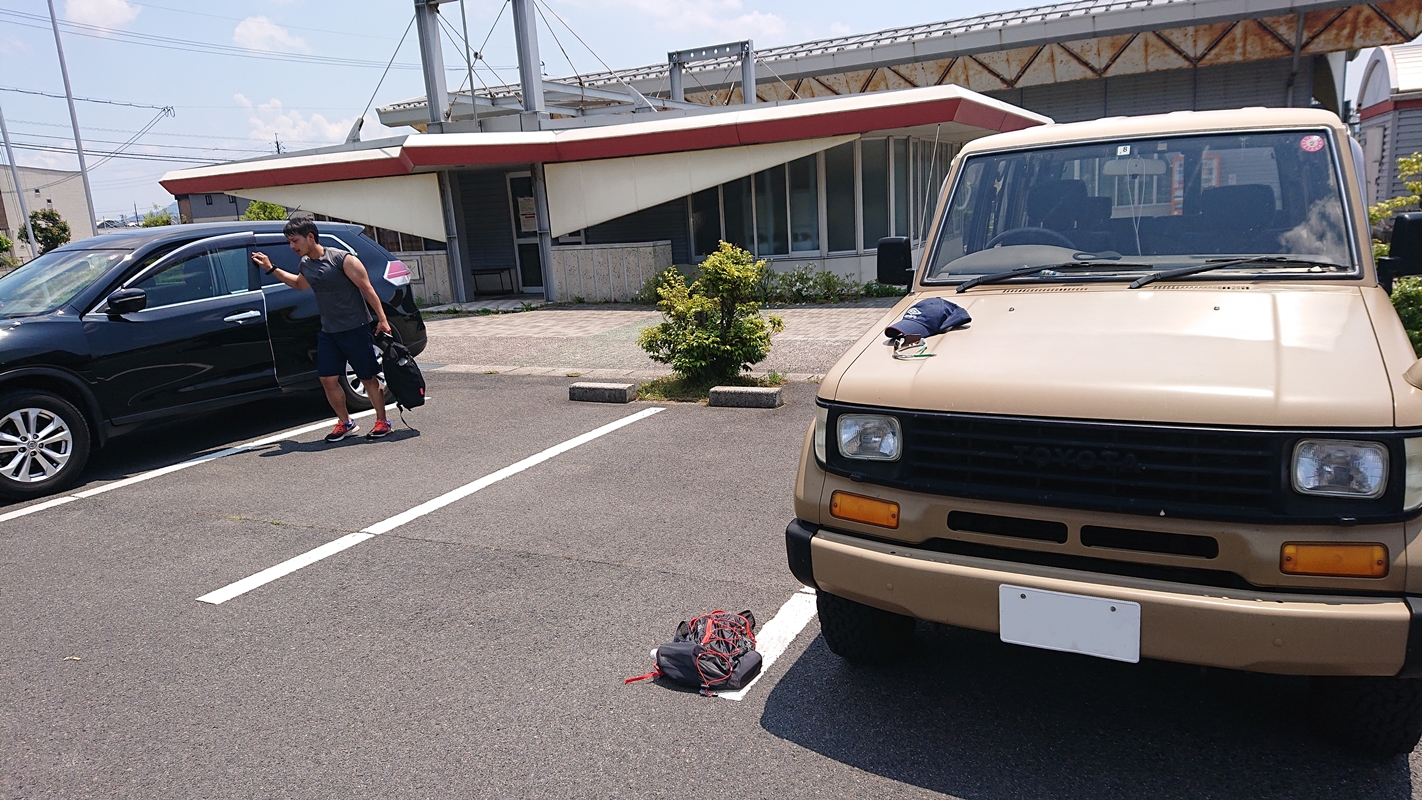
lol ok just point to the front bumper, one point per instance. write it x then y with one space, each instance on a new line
1273 632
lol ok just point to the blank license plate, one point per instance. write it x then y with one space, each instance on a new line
1071 623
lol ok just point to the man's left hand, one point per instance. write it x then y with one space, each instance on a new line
383 326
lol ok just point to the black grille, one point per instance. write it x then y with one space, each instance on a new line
1195 472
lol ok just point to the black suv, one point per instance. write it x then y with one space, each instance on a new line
106 334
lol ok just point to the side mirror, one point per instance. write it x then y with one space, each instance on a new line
127 301
896 261
1405 256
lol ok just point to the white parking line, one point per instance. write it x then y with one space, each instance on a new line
777 634
270 574
171 468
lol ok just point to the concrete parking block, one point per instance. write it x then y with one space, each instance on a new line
746 397
588 392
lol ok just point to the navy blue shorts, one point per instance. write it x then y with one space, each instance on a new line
356 346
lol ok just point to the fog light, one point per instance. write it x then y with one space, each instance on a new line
858 508
1340 560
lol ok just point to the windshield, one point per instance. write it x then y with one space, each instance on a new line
1149 203
52 280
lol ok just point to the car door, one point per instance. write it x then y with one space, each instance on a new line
200 341
292 318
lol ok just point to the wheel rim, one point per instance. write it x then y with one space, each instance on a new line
35 445
353 382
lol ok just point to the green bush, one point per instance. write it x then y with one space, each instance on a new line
5 244
157 218
261 210
806 284
713 328
1407 299
50 229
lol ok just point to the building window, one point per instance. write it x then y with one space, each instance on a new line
901 187
739 220
772 212
209 199
839 191
804 205
706 221
874 189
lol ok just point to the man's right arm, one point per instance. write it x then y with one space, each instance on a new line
265 265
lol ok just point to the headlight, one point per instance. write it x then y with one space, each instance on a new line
869 436
1340 468
821 422
1412 498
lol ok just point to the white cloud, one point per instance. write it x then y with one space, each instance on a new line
104 13
270 121
722 17
11 45
840 29
260 33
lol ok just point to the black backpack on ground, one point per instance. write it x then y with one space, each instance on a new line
402 374
710 652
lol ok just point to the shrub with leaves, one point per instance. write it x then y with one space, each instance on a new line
260 210
1407 299
50 229
5 244
157 218
1406 292
713 328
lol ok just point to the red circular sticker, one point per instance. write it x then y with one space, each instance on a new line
1311 143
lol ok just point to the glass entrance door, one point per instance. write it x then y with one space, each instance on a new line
525 226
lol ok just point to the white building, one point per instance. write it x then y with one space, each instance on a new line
60 190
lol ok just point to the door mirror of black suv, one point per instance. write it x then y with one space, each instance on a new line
127 301
1405 255
896 261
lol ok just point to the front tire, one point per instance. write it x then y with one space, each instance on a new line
44 444
1378 716
863 634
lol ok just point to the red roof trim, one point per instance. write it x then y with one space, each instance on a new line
1378 109
616 142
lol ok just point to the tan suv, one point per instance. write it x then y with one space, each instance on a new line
1179 425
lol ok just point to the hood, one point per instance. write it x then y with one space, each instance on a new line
1234 354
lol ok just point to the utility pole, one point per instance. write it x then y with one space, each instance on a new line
73 117
437 99
277 137
469 62
19 190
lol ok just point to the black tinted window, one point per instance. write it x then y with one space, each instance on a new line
195 278
282 258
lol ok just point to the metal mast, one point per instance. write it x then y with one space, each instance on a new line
73 117
19 190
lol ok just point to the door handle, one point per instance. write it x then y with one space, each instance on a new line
237 318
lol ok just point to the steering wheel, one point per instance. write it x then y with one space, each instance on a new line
1017 236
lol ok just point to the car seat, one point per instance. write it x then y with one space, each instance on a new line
1234 218
1065 207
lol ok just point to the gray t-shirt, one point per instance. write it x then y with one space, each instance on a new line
341 305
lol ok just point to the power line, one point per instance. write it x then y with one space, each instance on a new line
161 133
165 146
134 156
195 46
81 99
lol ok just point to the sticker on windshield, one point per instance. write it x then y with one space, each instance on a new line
1123 150
1311 143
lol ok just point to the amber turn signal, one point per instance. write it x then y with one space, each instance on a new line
1349 560
859 508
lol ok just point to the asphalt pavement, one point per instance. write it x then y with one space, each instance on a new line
479 649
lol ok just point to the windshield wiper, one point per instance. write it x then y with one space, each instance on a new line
1225 263
998 277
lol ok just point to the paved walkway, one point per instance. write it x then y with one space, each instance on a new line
602 342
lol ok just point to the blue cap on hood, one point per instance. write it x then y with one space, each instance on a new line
928 317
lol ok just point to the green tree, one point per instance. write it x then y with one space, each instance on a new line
259 210
50 229
713 328
1406 292
5 244
156 218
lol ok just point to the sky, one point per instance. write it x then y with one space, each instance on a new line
240 75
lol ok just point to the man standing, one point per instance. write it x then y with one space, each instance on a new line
345 299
